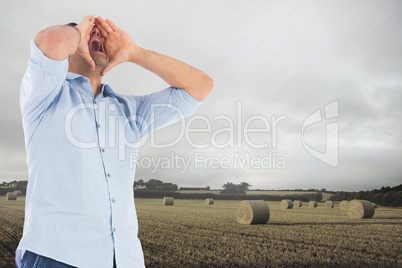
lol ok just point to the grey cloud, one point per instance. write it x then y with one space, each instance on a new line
276 58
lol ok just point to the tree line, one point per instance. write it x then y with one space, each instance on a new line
386 196
155 185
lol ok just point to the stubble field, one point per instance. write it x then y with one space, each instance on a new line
191 234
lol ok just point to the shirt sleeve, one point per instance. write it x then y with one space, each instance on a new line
161 108
41 83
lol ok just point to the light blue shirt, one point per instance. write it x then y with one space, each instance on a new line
80 204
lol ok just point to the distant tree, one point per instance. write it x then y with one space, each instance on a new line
391 199
168 186
139 183
207 188
153 184
361 195
244 186
231 188
156 185
385 189
22 183
318 197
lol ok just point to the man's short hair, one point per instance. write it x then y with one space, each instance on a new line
71 24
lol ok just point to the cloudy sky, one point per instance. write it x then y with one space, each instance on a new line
320 80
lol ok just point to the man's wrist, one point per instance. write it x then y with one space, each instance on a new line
137 53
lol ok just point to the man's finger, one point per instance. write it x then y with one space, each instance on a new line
87 57
89 17
101 29
104 25
112 25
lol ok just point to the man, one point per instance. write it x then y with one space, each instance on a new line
79 136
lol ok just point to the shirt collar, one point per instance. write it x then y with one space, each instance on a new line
72 76
106 89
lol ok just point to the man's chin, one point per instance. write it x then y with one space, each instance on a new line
100 61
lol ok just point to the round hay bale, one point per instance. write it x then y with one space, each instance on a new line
11 196
18 192
209 201
168 201
286 204
343 205
297 203
374 205
312 204
329 204
359 209
252 212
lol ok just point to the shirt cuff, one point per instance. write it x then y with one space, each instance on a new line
46 64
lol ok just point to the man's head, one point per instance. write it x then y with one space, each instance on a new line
96 49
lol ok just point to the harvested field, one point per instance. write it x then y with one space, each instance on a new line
200 236
11 224
194 235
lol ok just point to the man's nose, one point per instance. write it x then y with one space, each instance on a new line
95 31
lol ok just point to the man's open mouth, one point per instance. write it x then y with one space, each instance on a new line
96 45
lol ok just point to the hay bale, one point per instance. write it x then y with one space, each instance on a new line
359 209
297 203
252 212
209 201
168 201
329 204
11 196
312 204
374 205
18 192
343 205
286 204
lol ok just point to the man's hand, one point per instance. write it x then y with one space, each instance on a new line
85 28
118 45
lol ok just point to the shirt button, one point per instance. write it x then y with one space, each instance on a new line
98 125
108 175
114 229
94 102
113 200
103 150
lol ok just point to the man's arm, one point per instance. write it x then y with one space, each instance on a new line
176 73
121 48
60 42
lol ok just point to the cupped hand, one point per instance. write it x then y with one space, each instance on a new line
85 28
119 45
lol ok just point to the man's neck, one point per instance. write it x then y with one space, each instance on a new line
95 79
